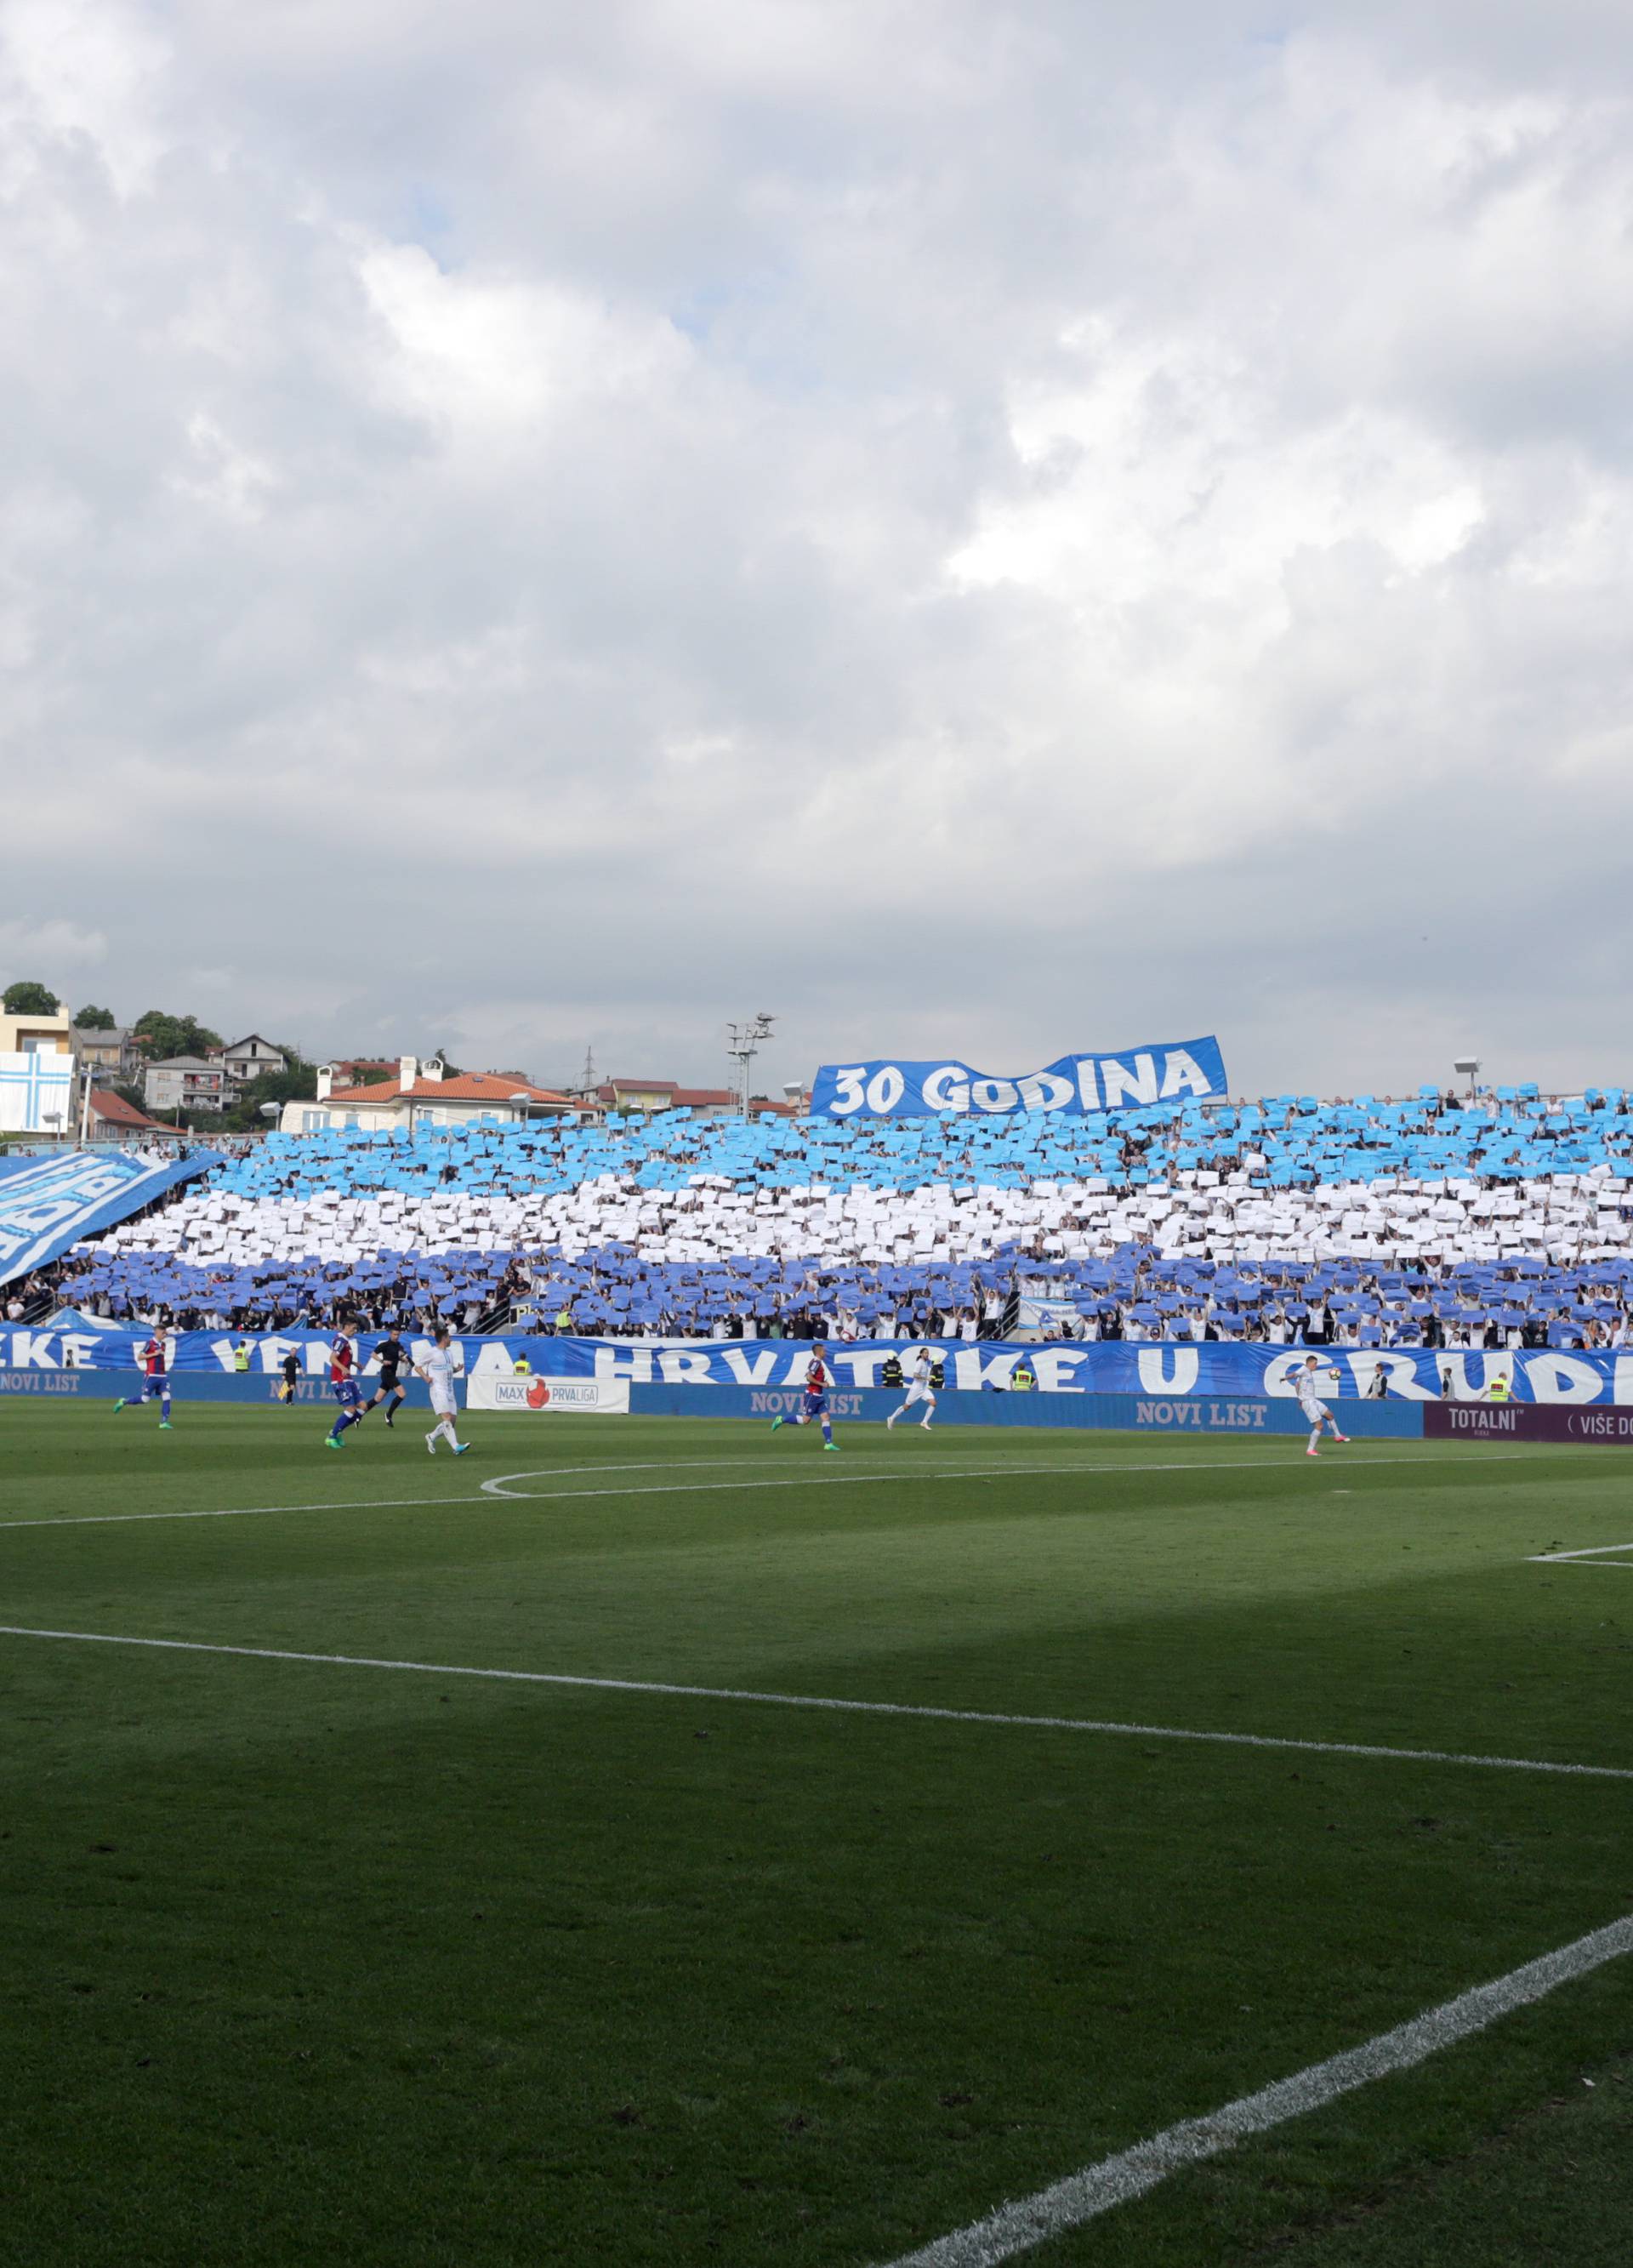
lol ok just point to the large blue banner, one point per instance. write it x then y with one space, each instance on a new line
1166 1371
52 1203
1076 1086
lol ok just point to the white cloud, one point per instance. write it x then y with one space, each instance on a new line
989 531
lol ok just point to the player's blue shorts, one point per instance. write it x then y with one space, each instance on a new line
816 1405
348 1394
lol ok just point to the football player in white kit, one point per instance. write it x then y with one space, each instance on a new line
919 1389
441 1366
1312 1404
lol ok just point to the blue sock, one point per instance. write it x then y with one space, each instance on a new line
163 1406
827 1430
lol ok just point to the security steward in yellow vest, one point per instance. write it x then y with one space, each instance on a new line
1023 1378
1500 1389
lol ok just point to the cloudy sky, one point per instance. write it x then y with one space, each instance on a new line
983 529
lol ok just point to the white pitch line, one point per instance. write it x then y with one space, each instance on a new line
234 1512
1587 1551
832 1703
1096 2189
499 1494
377 1503
824 1479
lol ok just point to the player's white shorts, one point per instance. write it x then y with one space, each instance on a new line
442 1406
1316 1412
919 1394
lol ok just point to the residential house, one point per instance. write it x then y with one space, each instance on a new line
37 1087
249 1059
647 1094
423 1096
363 1071
116 1054
185 1083
109 1118
655 1094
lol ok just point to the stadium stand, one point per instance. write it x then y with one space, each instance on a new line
1368 1222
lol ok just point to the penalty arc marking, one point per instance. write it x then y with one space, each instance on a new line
499 1486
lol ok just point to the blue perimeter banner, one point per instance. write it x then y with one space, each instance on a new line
51 1203
1544 1376
1076 1086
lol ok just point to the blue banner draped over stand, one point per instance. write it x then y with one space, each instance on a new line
50 1204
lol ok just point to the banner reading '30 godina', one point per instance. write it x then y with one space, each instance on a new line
1076 1086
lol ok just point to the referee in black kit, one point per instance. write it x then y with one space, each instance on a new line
392 1355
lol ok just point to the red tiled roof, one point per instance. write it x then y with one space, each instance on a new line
118 1112
468 1088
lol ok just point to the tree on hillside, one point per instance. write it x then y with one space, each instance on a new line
298 1083
94 1019
25 997
162 1036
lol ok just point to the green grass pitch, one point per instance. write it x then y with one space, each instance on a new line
309 1961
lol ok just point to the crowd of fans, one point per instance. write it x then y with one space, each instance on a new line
1278 1221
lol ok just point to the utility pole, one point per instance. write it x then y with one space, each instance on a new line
743 1045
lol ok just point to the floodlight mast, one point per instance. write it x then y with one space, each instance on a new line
742 1044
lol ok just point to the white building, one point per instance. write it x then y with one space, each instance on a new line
185 1083
251 1058
424 1094
38 1091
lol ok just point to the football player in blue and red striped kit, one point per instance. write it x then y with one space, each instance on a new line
155 1378
342 1382
816 1404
